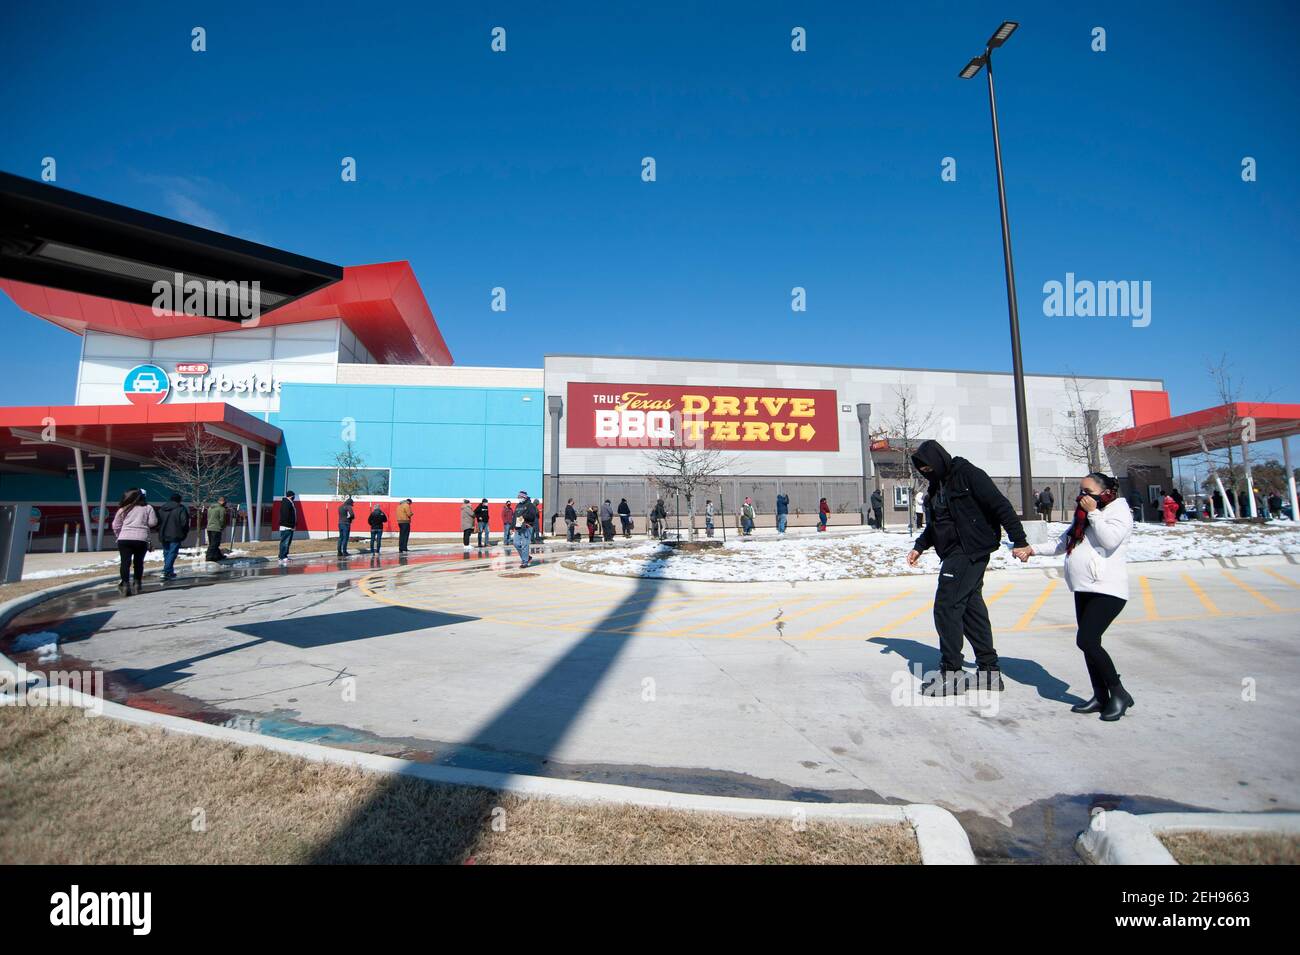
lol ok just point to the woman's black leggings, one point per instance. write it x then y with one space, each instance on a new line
1095 612
131 554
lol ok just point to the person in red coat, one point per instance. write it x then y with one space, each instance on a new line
1170 508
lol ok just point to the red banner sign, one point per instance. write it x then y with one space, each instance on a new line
736 419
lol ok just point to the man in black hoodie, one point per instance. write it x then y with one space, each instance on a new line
964 515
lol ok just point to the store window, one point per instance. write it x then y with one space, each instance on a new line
902 495
325 481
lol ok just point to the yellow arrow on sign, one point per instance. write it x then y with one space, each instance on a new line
806 432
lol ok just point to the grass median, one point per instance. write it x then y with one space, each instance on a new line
78 789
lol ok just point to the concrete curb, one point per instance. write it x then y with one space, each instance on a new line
939 836
1122 838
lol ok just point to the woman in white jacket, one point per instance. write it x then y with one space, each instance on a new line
1095 554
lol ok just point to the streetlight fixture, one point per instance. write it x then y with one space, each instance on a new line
1022 420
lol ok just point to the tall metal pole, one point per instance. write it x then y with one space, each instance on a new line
1017 367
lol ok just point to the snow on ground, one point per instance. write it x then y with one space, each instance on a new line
876 554
44 643
152 557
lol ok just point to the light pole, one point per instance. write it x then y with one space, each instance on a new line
1017 367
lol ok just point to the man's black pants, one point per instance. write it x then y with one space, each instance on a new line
403 535
959 611
214 545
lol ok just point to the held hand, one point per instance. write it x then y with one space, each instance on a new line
1022 553
913 557
1089 504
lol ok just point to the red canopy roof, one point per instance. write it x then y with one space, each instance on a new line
42 438
382 304
1220 426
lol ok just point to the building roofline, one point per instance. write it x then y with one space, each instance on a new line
817 364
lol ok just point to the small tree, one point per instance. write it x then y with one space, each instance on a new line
352 477
1077 438
686 471
200 469
907 425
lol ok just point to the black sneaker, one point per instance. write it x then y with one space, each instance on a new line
988 680
945 683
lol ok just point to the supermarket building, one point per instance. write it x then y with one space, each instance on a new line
363 364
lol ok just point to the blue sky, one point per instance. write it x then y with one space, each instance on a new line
775 170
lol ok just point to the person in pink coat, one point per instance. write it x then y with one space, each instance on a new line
134 519
1170 508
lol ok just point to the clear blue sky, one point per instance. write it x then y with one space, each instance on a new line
775 169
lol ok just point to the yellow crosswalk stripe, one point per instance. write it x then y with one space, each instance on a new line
1028 617
747 612
1253 592
1202 596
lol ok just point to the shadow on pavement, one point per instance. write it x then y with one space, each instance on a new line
1018 669
525 732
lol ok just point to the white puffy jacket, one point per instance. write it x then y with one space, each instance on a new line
1098 562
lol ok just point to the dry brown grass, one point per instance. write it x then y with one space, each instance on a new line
1204 848
76 789
21 588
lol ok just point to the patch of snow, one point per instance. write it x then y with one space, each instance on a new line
193 554
876 554
44 643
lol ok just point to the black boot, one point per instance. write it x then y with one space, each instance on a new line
1095 705
1118 703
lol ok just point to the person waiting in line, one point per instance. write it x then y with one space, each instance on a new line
481 517
377 520
1045 502
1095 548
347 514
747 517
570 521
466 521
404 514
964 514
823 509
526 520
708 518
1275 505
625 516
918 509
1135 505
216 526
173 528
607 520
537 524
878 508
782 511
131 525
507 522
658 519
593 521
288 523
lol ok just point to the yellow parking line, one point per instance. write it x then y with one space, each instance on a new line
1148 601
791 616
1286 580
1253 592
1028 618
904 619
1202 596
809 634
747 612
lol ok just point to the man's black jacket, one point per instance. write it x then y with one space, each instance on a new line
979 510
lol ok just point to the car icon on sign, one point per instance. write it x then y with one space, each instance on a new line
146 381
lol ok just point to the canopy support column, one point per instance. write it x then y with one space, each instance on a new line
103 502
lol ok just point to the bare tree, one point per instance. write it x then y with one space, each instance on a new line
1228 387
1080 425
906 426
352 477
688 472
200 469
